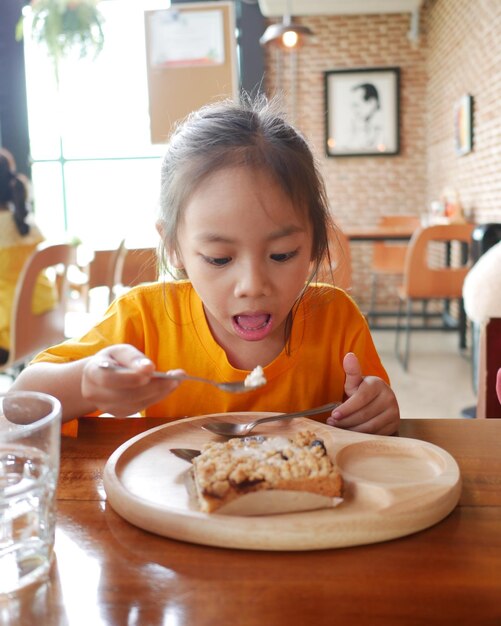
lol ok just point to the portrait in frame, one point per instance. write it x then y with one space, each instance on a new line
362 112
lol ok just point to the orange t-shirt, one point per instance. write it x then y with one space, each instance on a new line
166 321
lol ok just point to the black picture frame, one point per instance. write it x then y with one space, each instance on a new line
362 112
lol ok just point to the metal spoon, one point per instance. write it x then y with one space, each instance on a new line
228 429
232 387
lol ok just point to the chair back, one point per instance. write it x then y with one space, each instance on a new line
101 267
133 266
426 276
389 257
339 272
32 332
112 271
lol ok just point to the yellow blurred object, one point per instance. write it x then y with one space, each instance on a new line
15 251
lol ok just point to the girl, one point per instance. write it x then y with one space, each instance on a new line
244 222
18 240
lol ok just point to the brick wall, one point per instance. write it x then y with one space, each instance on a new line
464 56
458 52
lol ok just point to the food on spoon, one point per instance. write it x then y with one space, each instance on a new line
256 378
264 475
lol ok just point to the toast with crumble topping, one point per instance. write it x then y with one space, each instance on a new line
264 475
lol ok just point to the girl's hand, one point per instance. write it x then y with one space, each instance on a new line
371 406
123 393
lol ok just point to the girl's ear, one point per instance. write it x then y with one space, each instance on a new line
175 260
160 229
172 256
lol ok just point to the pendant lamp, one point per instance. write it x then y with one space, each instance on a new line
285 34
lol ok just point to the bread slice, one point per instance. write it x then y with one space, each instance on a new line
264 475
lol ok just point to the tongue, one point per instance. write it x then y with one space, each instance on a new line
251 322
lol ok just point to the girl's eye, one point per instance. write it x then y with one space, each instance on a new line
218 261
281 258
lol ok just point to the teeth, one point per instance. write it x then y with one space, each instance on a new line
254 327
252 322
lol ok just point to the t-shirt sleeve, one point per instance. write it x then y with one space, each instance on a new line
122 323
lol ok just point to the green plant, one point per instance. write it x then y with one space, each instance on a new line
64 26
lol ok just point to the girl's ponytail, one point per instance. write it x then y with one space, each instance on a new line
19 199
14 190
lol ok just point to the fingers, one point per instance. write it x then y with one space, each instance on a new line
353 373
123 393
383 423
373 408
127 356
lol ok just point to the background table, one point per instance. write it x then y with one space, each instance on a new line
109 572
378 233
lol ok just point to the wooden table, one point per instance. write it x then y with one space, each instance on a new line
108 572
378 233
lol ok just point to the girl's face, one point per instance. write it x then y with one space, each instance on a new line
248 254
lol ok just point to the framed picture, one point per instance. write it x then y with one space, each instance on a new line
362 111
463 125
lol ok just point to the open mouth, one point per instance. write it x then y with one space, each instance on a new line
252 322
252 327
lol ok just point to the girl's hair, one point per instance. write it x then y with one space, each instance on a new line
13 191
249 133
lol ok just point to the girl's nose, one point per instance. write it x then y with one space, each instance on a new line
252 281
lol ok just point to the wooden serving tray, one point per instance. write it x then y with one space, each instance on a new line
393 487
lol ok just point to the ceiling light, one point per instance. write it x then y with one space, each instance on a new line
285 34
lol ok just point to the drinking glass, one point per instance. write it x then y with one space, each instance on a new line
30 425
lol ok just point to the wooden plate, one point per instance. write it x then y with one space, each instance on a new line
393 487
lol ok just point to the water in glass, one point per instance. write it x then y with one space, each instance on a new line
27 516
29 467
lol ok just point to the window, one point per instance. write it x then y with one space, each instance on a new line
96 175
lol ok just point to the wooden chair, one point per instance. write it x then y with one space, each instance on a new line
118 269
109 274
339 272
133 266
388 259
431 274
488 403
98 272
30 332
